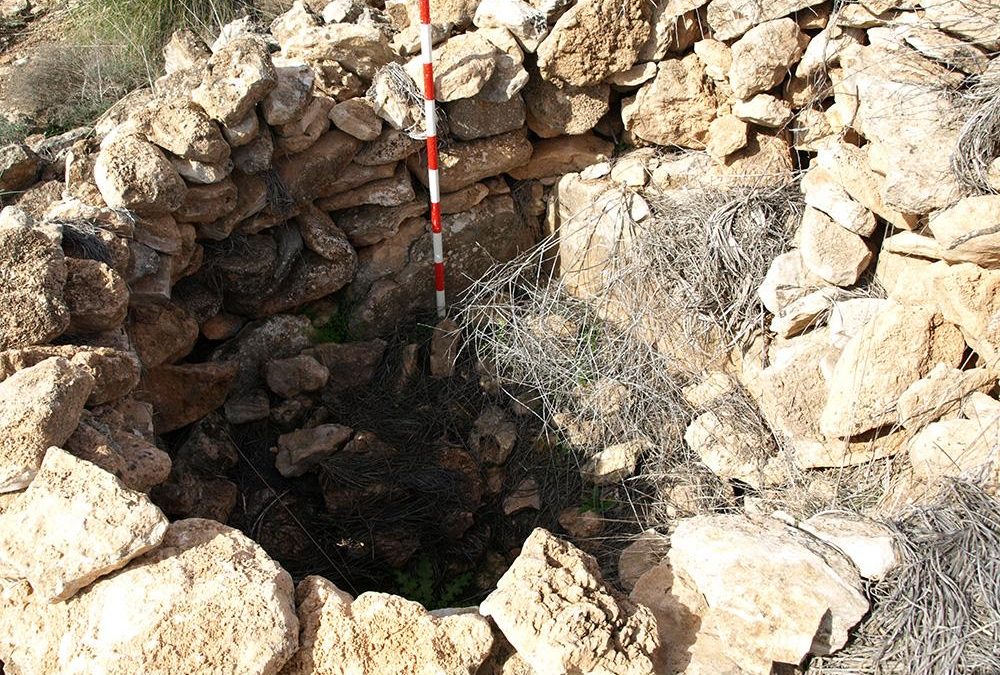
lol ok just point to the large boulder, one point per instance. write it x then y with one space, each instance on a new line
40 407
898 347
134 174
207 600
553 606
676 107
236 79
32 275
594 39
765 591
75 523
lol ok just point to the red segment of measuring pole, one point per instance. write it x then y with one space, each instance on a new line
433 182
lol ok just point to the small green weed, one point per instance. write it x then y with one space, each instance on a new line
596 502
334 329
420 584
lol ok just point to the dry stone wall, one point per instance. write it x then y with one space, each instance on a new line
281 165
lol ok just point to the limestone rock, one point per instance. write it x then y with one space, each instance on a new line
958 448
32 275
115 372
732 18
806 312
967 295
462 67
968 231
295 375
560 616
525 496
310 173
940 393
762 57
185 130
773 593
291 94
462 164
562 155
162 333
357 117
237 78
204 204
717 57
350 363
898 347
133 174
850 169
977 21
185 393
615 463
493 436
368 225
890 85
19 167
869 545
594 39
824 193
395 190
640 556
184 51
726 135
523 21
238 605
83 522
40 407
555 111
379 634
788 279
96 295
676 25
831 252
299 451
764 110
731 452
473 118
676 108
321 235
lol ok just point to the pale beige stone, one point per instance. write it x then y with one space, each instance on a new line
823 192
593 40
717 57
969 231
732 452
773 593
896 348
940 394
958 448
237 78
555 609
762 57
32 280
40 407
207 600
640 556
831 252
726 135
764 110
869 544
74 524
676 107
462 67
788 279
969 297
382 634
731 18
615 463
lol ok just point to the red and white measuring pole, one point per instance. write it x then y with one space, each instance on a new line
433 183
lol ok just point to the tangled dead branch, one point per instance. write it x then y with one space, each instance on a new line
978 145
939 612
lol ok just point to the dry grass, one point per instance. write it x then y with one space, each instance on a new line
939 612
603 350
979 142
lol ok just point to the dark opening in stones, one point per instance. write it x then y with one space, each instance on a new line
427 476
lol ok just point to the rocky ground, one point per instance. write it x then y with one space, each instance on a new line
222 405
